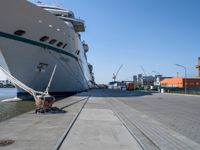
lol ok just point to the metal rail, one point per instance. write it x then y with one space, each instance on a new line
66 132
149 143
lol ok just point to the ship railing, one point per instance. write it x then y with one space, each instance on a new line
78 24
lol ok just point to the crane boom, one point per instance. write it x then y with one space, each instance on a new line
119 70
115 74
143 70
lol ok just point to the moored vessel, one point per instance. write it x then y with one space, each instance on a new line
35 37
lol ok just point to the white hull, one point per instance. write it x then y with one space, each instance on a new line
23 54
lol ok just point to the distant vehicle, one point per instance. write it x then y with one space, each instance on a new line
1 85
131 86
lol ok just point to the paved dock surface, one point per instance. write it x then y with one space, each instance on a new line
32 131
97 128
111 119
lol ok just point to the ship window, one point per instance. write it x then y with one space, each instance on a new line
70 16
41 67
20 32
60 44
57 14
64 45
77 52
79 36
44 38
53 41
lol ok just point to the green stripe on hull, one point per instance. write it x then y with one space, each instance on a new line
42 45
35 43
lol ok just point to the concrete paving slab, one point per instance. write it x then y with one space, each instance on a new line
98 129
41 131
98 114
98 102
156 121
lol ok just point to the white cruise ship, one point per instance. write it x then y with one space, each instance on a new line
35 37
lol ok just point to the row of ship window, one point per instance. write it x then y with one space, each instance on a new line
43 39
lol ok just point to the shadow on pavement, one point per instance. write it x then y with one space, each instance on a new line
113 93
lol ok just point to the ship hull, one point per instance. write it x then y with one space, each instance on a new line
25 54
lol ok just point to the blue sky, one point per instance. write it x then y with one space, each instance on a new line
155 34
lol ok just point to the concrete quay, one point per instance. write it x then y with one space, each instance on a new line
110 119
32 131
98 128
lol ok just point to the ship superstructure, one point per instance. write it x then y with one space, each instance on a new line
33 38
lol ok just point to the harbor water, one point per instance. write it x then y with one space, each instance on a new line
12 109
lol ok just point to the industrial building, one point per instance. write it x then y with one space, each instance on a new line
6 83
177 82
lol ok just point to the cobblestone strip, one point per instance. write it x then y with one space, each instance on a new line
164 137
140 137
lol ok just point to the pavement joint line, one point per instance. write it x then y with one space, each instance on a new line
148 142
66 132
109 127
73 103
129 130
124 124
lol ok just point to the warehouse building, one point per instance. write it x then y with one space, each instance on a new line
178 82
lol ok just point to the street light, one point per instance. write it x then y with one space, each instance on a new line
185 75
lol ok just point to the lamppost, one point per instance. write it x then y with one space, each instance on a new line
185 76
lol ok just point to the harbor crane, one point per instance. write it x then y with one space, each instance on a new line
115 74
143 70
43 100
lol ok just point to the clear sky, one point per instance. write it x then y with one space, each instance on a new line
155 34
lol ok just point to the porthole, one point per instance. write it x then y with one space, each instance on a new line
53 41
44 38
64 45
77 52
59 44
19 32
